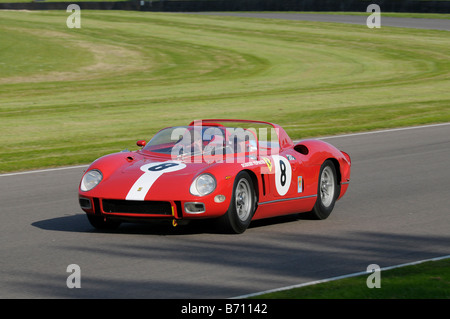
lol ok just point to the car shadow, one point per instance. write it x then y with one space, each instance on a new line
78 223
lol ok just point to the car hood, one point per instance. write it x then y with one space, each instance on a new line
134 176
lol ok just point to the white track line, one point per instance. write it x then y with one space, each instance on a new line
320 138
336 278
383 131
44 170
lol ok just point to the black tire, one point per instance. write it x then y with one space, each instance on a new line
101 223
328 190
242 206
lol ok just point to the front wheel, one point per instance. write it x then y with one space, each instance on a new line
242 205
327 191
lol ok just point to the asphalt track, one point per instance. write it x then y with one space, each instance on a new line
416 23
396 211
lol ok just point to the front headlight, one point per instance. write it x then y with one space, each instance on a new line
90 180
203 185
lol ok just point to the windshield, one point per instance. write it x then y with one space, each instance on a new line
215 141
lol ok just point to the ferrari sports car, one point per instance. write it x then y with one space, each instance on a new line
233 171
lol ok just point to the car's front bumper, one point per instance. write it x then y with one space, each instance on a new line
148 209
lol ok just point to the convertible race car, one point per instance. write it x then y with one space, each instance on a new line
234 171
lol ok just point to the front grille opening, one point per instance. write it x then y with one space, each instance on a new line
97 206
137 207
85 203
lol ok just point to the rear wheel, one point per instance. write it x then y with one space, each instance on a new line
327 191
242 205
100 222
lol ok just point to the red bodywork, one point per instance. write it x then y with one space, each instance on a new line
170 190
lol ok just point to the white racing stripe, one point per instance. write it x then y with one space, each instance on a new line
141 187
151 174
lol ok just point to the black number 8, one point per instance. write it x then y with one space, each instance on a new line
161 167
283 173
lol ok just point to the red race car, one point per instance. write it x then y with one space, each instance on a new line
234 171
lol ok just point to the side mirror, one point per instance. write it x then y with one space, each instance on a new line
141 143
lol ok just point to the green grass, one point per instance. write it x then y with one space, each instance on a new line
68 96
429 280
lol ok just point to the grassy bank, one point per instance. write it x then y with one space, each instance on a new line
430 280
68 96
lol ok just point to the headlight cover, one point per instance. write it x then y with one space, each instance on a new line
203 185
90 180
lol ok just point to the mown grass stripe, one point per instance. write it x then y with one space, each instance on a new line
159 69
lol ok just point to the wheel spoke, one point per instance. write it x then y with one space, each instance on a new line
327 186
243 199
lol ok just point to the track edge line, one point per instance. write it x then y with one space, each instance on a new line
337 278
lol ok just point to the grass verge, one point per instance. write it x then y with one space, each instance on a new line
428 280
68 96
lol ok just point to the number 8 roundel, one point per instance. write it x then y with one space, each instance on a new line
283 174
152 172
